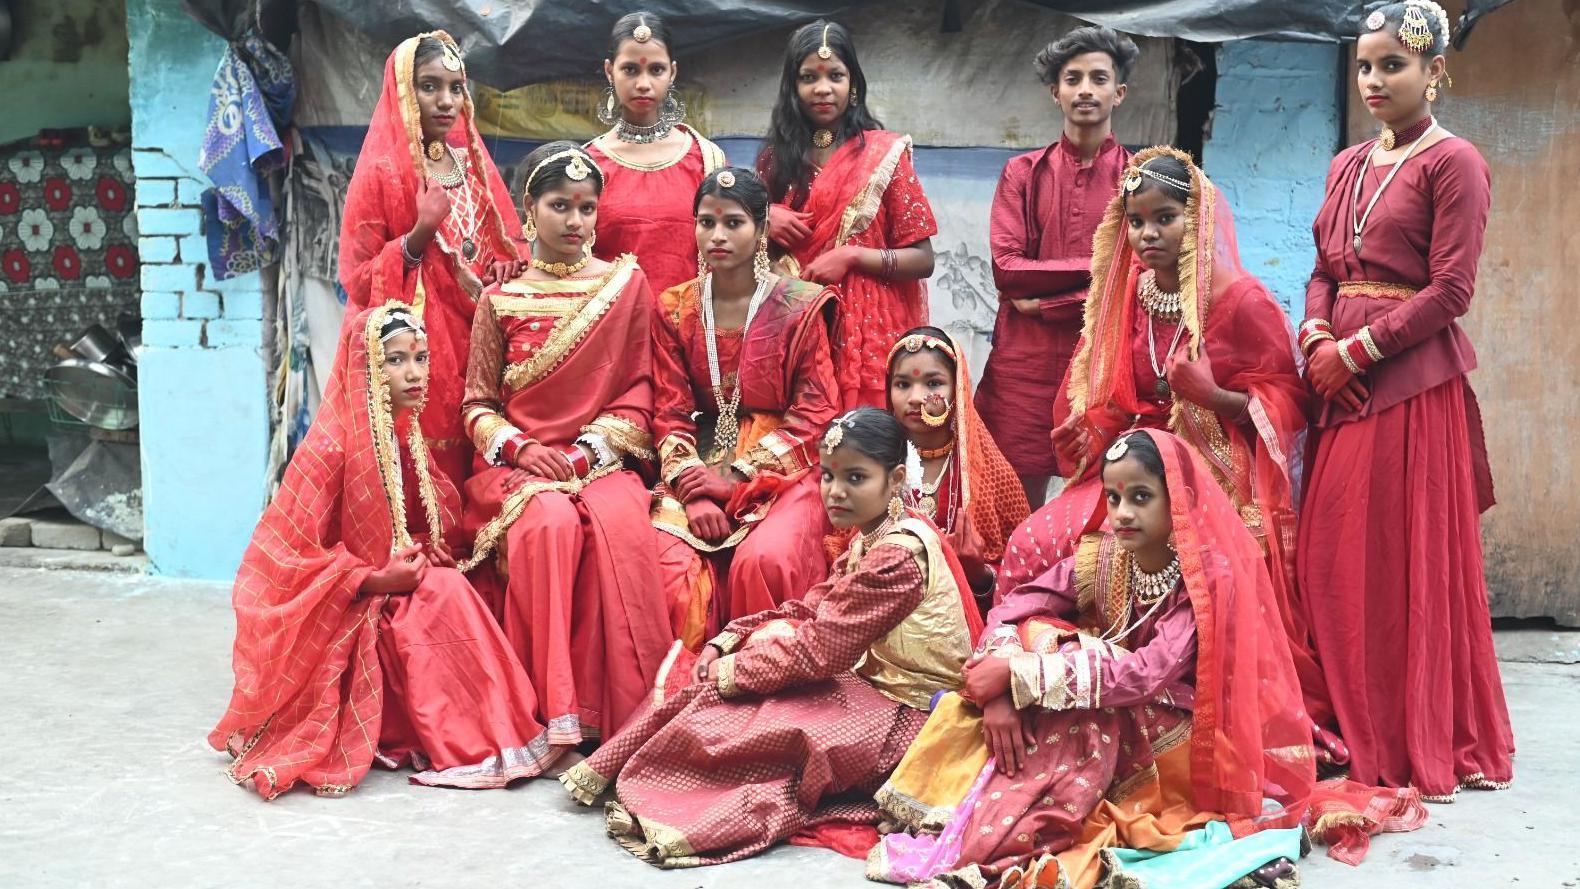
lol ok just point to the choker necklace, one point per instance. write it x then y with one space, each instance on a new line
823 139
1357 218
935 453
564 269
1160 305
1392 139
1149 588
644 135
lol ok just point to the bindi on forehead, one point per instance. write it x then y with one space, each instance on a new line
822 68
642 60
576 195
915 372
837 466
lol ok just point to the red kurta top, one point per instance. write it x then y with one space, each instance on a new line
1045 211
646 211
1425 233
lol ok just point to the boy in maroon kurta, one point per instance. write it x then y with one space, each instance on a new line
1047 207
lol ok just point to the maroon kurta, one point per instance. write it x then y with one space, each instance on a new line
1389 555
1045 211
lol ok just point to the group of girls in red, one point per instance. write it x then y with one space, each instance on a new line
711 502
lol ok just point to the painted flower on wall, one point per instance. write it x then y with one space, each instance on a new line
27 166
68 263
35 230
120 261
87 228
15 265
97 282
46 284
123 162
79 162
129 225
10 198
112 194
57 193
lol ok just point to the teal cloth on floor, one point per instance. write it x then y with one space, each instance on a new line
1208 858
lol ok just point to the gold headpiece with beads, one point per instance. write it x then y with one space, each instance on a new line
836 432
451 57
825 52
1415 32
1133 179
412 322
578 169
1118 449
642 33
916 342
726 179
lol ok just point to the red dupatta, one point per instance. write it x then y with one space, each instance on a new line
308 696
381 207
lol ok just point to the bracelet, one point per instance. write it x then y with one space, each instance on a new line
580 464
890 263
1346 357
405 253
513 446
1313 331
1309 343
1364 335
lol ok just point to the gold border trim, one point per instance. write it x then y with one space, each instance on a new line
571 330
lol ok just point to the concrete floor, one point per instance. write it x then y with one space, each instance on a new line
112 681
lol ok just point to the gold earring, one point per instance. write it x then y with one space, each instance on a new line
1431 91
854 97
530 230
896 508
702 267
760 268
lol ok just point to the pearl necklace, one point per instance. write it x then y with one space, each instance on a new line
727 431
1149 588
1357 218
1163 306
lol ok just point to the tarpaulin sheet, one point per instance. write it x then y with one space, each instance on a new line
510 43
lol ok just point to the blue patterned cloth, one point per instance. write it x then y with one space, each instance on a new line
251 100
1208 858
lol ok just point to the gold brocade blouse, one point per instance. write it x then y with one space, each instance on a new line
928 650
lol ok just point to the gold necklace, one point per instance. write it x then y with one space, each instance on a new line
927 504
563 269
1160 305
823 139
935 453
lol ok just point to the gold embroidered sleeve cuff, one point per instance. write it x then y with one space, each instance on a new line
726 682
1040 680
744 469
779 452
1003 637
623 435
726 642
600 447
677 452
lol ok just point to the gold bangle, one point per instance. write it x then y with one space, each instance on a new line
1344 356
1365 337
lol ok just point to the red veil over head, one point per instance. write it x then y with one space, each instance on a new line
308 695
1251 753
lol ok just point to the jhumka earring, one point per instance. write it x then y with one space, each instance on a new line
530 230
896 508
760 269
1431 91
435 150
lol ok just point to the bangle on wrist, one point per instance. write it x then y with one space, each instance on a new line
405 253
1348 357
580 465
513 447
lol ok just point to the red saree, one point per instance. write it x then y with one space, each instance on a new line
1229 315
815 702
645 210
573 562
867 195
786 377
381 207
1390 540
327 681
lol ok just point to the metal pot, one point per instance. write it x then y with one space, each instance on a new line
98 344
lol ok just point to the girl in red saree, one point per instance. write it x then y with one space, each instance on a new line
794 710
559 394
1390 537
653 161
964 486
356 638
426 218
849 208
745 384
1180 337
1133 693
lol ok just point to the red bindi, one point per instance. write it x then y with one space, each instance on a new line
916 373
576 196
821 69
1121 487
643 60
836 466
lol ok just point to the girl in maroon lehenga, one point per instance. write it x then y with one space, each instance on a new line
1389 556
790 707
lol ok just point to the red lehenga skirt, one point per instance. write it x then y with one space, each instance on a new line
1390 570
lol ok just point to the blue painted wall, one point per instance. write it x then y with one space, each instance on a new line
201 388
1277 125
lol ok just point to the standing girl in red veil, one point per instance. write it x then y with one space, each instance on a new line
745 384
559 402
1178 336
356 638
1390 533
848 206
653 161
426 219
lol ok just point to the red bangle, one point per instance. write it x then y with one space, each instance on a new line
513 446
1357 352
580 465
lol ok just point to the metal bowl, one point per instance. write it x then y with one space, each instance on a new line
98 344
93 392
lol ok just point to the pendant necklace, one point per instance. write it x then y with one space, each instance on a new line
1161 387
463 205
1357 218
927 504
727 430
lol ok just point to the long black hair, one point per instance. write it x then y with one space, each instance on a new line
748 190
874 433
787 148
